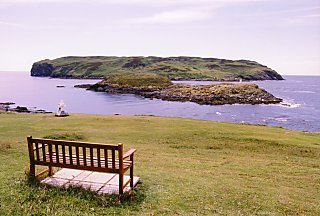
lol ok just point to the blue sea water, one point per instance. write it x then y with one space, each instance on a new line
300 109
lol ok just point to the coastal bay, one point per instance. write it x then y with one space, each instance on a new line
300 109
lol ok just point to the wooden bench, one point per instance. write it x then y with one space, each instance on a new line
81 155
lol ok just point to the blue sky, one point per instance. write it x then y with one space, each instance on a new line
282 34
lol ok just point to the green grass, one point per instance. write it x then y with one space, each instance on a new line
137 80
65 136
187 167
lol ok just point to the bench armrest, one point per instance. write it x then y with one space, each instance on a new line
128 153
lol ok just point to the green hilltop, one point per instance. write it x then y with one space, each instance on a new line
175 68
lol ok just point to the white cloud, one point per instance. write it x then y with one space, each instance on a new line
188 11
174 16
304 16
3 23
310 16
180 10
292 16
133 2
303 20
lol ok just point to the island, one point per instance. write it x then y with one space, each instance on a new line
175 68
160 87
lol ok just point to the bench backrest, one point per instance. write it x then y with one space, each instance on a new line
76 155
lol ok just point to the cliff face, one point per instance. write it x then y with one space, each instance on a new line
175 68
42 69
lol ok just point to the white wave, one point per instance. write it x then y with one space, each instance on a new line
309 92
281 119
290 104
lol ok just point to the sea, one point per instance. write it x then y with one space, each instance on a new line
300 109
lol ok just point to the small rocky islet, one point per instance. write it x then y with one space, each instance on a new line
159 87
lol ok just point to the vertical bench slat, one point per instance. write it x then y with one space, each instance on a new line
77 155
43 152
57 153
50 152
64 153
70 155
113 159
50 158
37 152
98 156
91 156
84 153
105 158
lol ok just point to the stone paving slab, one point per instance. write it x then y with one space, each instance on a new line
85 185
56 182
113 187
82 175
98 177
102 183
67 174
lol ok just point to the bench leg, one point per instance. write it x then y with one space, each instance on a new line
32 170
131 176
120 183
50 171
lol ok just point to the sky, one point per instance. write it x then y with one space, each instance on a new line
282 34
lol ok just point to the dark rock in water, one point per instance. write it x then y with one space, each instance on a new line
22 109
6 103
60 86
86 86
41 111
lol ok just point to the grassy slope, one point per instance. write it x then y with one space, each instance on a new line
187 167
177 67
138 80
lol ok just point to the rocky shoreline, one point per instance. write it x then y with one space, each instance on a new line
216 94
6 106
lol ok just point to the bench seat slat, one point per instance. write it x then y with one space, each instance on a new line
126 164
70 166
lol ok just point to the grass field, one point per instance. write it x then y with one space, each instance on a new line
187 167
